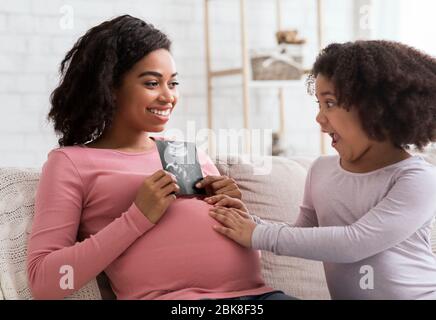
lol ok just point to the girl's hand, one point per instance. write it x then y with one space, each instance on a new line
223 200
235 225
156 194
220 185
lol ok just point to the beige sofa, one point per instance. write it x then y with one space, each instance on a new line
272 188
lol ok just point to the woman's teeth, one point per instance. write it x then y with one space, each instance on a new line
164 113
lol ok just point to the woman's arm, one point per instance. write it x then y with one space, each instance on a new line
53 250
214 182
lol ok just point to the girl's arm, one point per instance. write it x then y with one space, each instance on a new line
54 255
306 218
307 215
407 207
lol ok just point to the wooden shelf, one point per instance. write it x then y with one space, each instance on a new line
277 83
244 71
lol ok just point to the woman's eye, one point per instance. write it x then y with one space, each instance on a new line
330 104
151 84
174 84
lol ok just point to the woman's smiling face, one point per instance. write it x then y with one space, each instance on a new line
148 93
344 127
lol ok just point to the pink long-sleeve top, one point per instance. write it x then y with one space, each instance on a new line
86 219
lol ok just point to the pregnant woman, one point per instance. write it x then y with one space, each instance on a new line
104 203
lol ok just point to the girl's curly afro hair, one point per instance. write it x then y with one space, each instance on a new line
83 104
393 87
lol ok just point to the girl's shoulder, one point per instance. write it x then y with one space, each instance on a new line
416 166
325 162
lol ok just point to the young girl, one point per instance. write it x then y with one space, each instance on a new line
367 212
103 201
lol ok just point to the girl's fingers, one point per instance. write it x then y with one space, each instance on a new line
225 231
223 217
224 202
241 213
237 216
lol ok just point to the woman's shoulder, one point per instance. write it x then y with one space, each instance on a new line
67 154
68 150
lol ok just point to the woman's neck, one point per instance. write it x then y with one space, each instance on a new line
125 141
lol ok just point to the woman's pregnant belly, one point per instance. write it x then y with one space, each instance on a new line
183 252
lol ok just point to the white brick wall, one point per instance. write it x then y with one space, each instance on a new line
32 44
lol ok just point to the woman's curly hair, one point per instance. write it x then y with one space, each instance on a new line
393 87
83 103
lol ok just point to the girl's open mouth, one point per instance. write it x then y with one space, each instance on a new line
335 138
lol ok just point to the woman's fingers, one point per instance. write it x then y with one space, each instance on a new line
165 180
222 183
170 188
157 175
215 199
209 180
226 188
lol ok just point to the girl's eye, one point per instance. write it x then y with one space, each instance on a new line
151 84
330 104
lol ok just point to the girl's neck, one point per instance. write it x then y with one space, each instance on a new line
378 156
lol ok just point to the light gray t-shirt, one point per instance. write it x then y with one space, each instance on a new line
372 230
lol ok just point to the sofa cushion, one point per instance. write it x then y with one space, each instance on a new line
272 190
17 195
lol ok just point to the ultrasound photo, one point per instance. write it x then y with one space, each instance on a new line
180 158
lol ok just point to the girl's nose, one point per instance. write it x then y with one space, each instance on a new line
320 118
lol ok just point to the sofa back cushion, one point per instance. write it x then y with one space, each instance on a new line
17 195
276 196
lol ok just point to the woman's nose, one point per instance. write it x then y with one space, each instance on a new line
166 96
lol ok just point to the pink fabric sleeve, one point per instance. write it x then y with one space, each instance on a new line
53 240
207 166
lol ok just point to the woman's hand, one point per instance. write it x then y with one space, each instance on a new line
235 224
223 200
220 185
156 194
